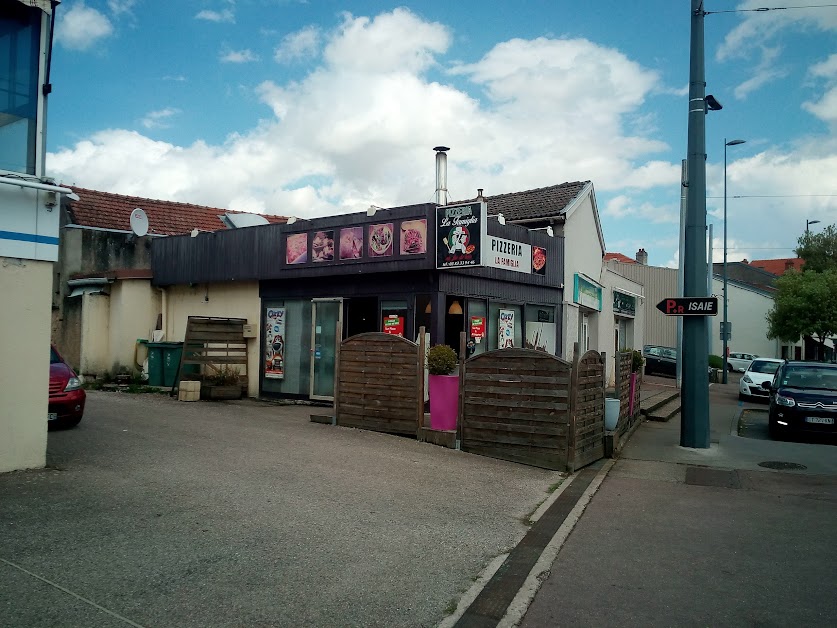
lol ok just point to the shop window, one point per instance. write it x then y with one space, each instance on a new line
20 34
423 315
394 317
294 376
511 319
360 316
477 326
454 320
541 330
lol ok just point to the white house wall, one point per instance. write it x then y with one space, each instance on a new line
582 254
607 320
24 369
227 300
747 311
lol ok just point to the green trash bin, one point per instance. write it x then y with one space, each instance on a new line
163 362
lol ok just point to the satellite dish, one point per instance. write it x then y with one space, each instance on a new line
139 222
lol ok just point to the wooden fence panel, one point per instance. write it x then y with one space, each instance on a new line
516 407
623 388
587 429
380 384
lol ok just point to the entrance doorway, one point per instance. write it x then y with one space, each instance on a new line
326 316
361 316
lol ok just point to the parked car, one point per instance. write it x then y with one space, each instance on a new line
759 371
66 396
803 398
660 360
740 361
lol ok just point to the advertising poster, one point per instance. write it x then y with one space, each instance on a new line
322 246
460 235
394 325
274 343
351 243
506 329
540 336
296 248
477 328
380 240
538 260
413 237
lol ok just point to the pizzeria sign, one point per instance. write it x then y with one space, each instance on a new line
461 235
509 255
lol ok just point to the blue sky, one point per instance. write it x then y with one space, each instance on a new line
316 108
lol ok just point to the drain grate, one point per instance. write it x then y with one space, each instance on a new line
778 465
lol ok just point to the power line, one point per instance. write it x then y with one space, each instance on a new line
763 9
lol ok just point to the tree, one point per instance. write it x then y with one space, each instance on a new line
819 250
805 305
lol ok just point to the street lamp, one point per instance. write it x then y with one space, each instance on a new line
808 223
726 321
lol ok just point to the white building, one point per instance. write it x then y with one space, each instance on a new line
29 219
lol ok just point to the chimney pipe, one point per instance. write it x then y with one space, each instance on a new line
642 257
479 194
441 175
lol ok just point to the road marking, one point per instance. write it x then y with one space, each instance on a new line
75 595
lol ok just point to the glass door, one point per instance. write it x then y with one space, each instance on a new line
326 316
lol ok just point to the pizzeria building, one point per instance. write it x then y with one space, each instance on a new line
309 284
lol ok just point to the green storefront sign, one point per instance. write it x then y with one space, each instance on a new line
624 304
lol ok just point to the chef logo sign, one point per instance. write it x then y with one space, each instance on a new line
460 235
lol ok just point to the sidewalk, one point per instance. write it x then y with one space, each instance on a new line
681 537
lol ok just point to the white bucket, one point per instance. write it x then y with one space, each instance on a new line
611 414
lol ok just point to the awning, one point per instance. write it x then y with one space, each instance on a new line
43 5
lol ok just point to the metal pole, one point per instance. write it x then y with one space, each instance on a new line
725 375
684 187
694 425
709 273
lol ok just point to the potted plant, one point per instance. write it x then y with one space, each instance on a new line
225 383
443 387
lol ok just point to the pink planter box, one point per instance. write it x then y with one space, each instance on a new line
444 401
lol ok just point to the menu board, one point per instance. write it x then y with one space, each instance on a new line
394 325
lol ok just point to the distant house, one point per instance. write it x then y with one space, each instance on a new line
744 272
778 266
102 299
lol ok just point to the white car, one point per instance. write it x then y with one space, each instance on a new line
760 370
740 361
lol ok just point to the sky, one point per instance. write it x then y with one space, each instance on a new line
313 108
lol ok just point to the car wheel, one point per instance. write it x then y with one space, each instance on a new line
773 430
742 396
730 369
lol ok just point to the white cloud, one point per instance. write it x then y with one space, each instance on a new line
826 108
81 28
118 7
224 15
302 44
158 119
766 71
239 56
624 206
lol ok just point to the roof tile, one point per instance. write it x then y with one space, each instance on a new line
778 266
112 211
545 202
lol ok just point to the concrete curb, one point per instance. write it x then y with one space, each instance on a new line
520 604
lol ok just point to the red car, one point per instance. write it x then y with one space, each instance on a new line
66 396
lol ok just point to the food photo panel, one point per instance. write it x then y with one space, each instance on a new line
538 260
296 248
351 243
414 237
380 240
322 246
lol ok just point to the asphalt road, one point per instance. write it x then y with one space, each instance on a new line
159 513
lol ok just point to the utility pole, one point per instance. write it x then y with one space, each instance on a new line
694 424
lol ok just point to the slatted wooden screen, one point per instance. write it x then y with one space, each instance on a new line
380 384
213 343
588 387
627 420
516 407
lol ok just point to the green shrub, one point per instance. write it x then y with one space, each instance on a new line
716 362
636 361
441 360
225 376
